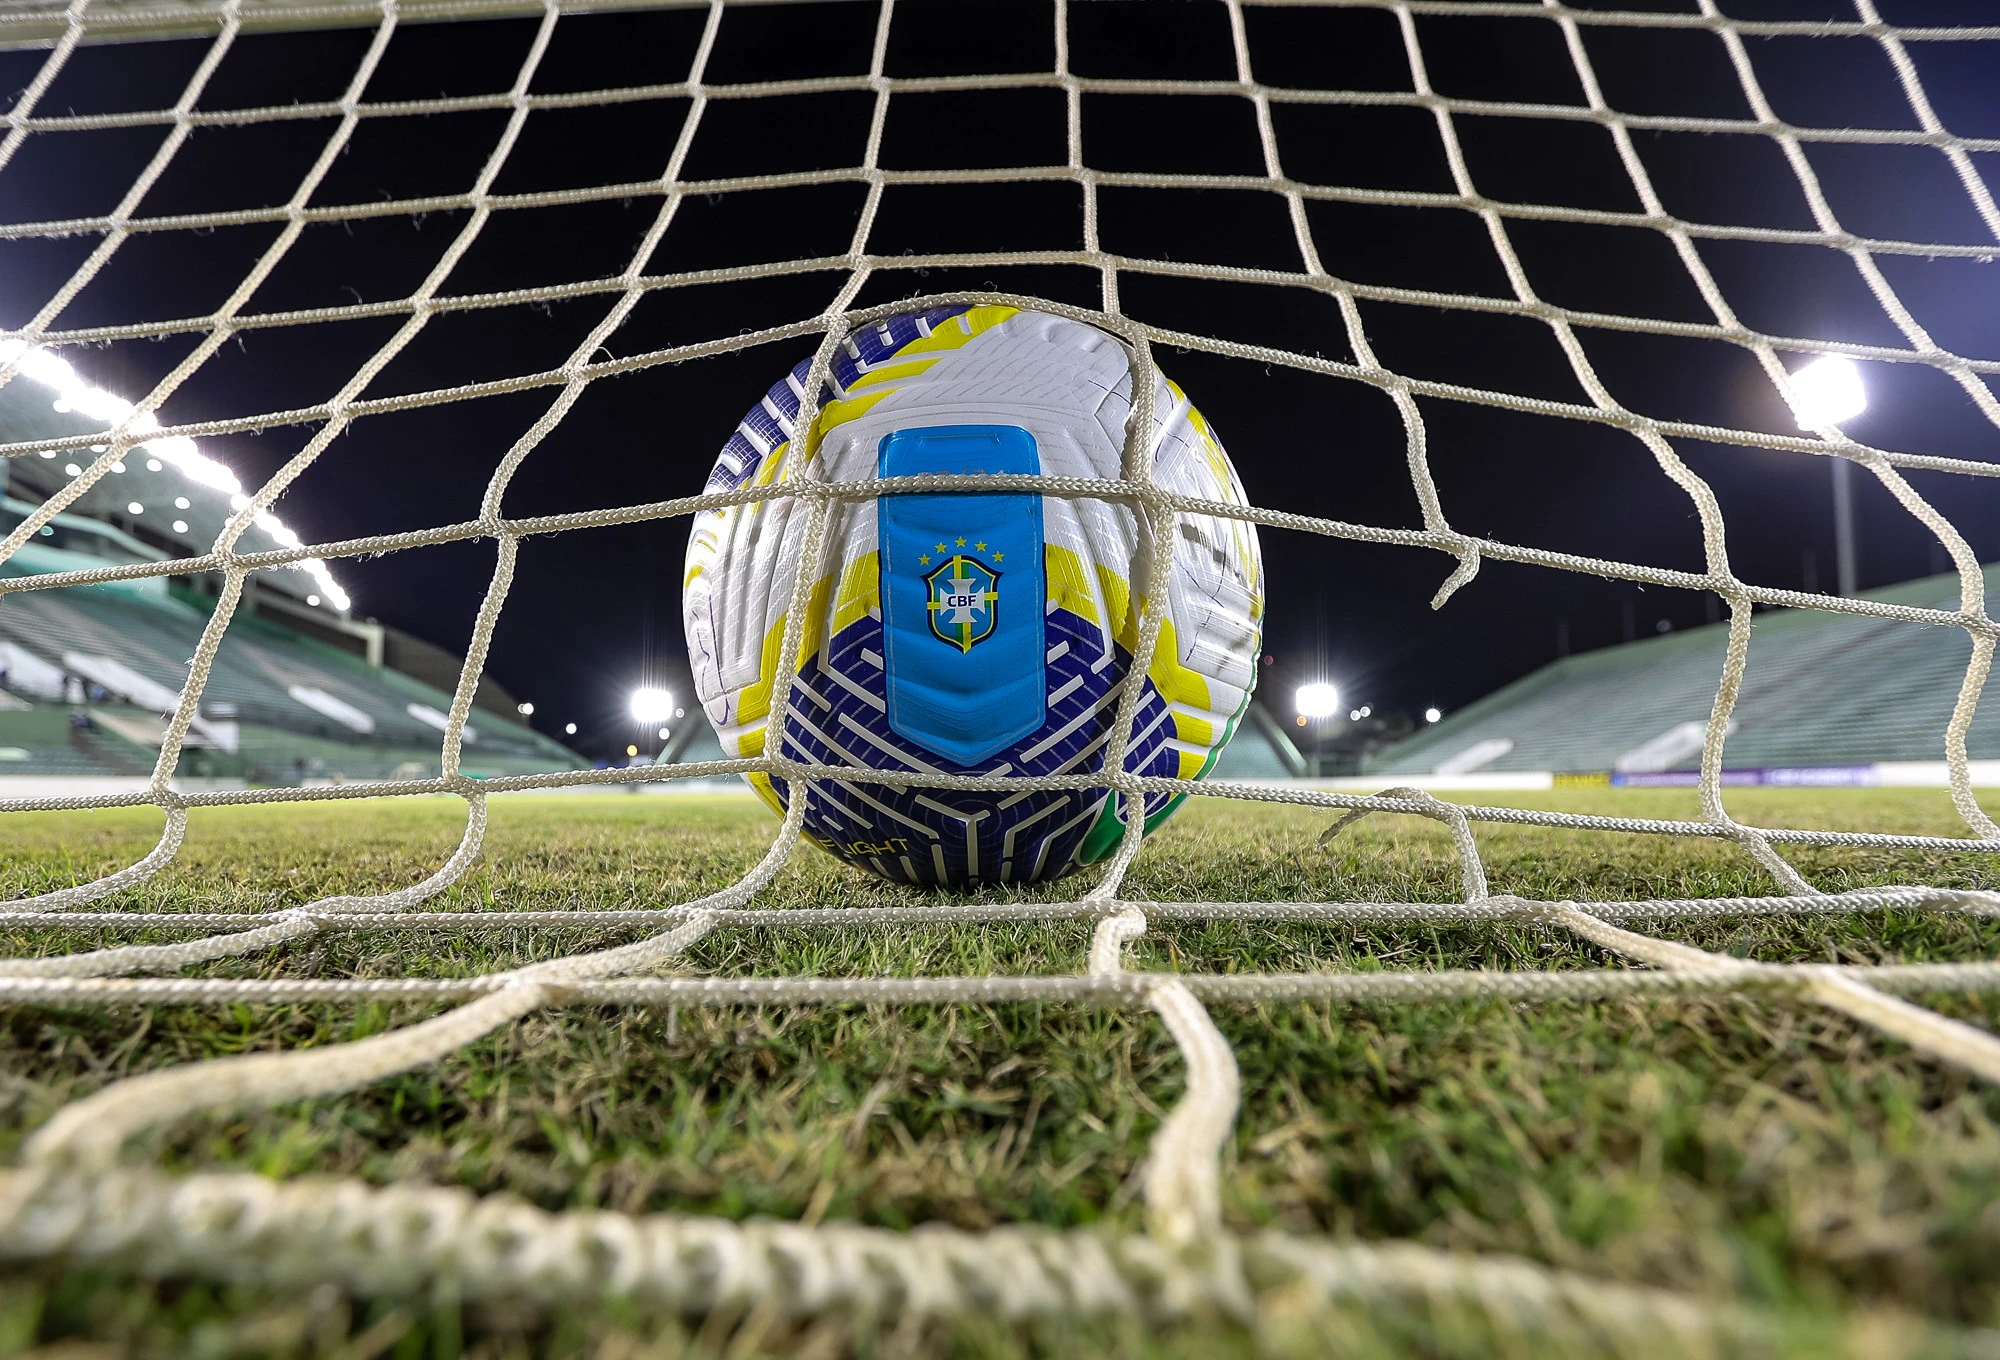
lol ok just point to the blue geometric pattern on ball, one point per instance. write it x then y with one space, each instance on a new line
771 422
942 837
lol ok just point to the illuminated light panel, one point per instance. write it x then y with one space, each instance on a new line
1827 391
651 706
1317 700
74 394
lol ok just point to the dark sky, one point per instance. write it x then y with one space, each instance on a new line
594 613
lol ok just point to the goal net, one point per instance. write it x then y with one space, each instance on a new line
75 1192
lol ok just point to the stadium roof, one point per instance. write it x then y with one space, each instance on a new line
183 496
1821 689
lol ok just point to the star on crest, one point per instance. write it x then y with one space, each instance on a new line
961 543
979 547
924 561
999 557
940 547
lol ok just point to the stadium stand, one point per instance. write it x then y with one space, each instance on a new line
1822 690
1260 750
300 691
280 707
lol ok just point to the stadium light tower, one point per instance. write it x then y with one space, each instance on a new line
1317 700
651 707
1825 392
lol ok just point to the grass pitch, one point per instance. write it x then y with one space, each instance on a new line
1761 1152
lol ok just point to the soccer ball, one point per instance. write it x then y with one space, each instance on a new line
959 633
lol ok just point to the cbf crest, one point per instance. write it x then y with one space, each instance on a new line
964 600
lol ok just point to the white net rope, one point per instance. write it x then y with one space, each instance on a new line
71 1195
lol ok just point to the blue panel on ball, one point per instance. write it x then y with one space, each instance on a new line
962 594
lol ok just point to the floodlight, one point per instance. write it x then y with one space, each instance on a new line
1827 391
1318 700
1432 715
650 706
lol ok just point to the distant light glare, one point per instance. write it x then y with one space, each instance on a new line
154 465
631 750
664 732
313 600
1318 700
569 729
133 507
526 710
651 706
1827 391
72 469
180 526
180 502
1432 715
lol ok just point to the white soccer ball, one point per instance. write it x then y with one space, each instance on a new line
966 633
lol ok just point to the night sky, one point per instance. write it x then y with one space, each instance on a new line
595 613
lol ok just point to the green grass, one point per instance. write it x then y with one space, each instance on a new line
1762 1152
